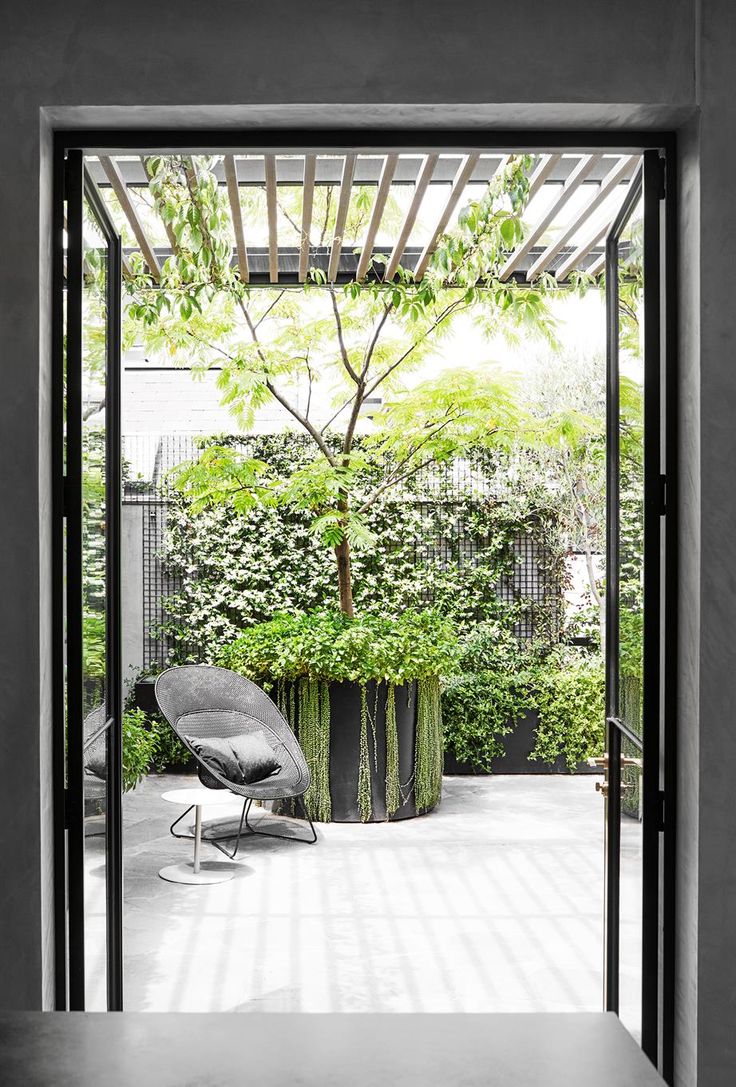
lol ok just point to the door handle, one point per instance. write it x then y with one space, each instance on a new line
603 763
602 788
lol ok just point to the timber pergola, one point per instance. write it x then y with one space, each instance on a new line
572 202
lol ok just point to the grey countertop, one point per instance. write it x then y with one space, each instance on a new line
352 1050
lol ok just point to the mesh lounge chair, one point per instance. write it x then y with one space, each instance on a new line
95 771
203 702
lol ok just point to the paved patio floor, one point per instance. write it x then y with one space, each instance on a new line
491 903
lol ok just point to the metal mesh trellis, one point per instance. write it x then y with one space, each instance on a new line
533 578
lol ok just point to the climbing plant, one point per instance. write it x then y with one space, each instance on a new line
441 543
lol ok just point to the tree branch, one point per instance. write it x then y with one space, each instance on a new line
273 305
279 396
395 476
374 339
448 310
341 338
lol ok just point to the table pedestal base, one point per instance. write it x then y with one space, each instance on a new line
208 873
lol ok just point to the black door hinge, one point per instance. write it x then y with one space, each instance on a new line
662 178
660 810
662 495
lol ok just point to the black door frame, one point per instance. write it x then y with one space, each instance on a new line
648 188
533 140
69 846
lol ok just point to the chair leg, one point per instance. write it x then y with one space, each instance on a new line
286 837
216 839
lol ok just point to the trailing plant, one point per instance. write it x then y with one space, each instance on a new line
298 656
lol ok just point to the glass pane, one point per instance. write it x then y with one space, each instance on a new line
631 612
94 586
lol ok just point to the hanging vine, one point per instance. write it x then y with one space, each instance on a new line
365 794
313 717
428 754
393 786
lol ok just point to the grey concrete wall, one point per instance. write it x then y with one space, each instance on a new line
717 663
245 64
688 740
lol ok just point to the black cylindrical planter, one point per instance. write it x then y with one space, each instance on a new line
345 750
145 695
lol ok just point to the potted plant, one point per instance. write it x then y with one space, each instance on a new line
363 696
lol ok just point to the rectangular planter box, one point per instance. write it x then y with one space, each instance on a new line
519 745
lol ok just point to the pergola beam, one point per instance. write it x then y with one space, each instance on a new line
346 184
582 251
273 240
544 167
462 177
310 165
236 214
598 265
574 181
423 179
607 186
121 191
384 187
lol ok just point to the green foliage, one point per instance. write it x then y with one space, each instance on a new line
168 749
327 645
278 344
139 746
569 691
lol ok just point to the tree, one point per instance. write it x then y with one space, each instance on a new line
358 342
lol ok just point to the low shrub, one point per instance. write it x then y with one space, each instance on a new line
569 692
139 744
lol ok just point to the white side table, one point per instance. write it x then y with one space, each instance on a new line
196 871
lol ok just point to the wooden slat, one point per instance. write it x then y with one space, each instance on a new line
607 186
582 251
121 191
167 226
423 179
597 266
236 214
384 187
574 181
542 170
273 240
346 184
310 166
458 187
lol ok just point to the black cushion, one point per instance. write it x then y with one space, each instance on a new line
218 754
255 756
241 759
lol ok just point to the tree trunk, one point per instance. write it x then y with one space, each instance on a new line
344 578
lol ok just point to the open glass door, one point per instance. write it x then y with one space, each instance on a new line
635 537
92 599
